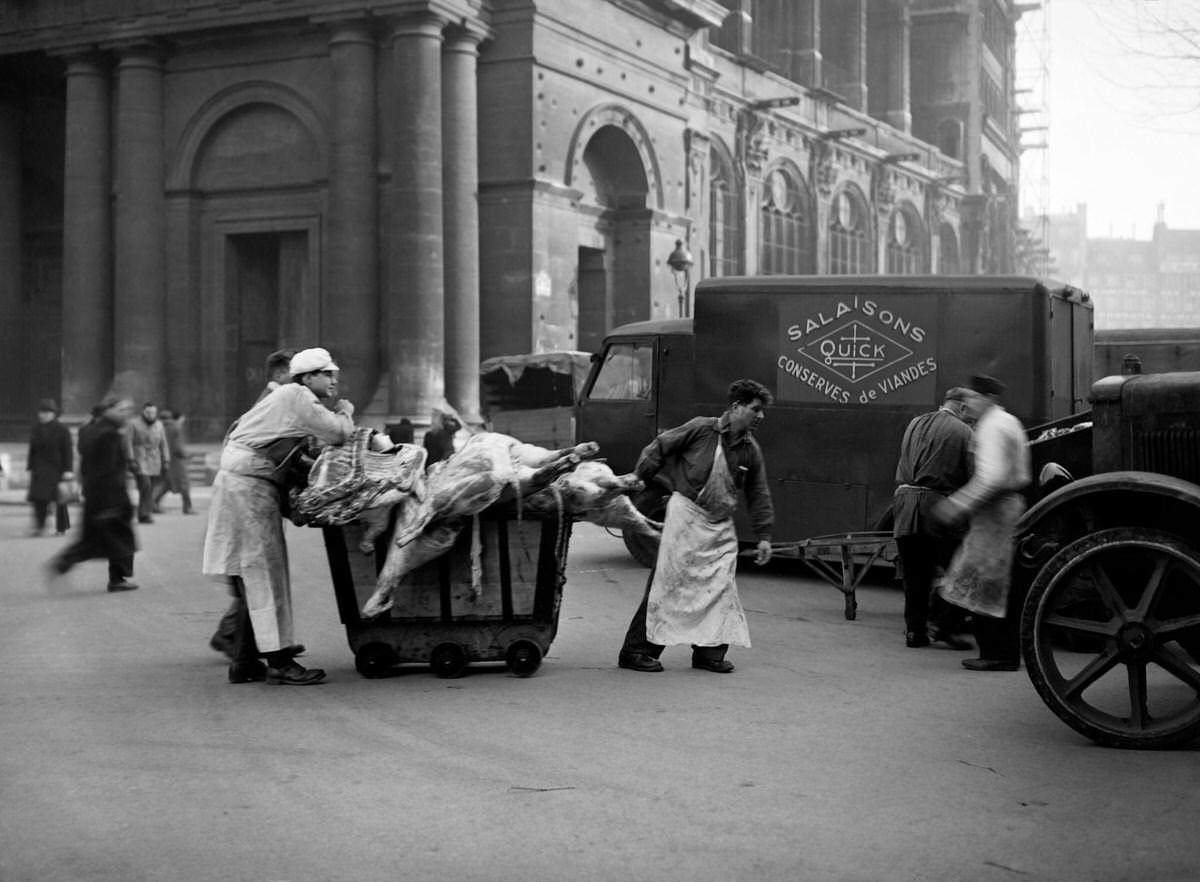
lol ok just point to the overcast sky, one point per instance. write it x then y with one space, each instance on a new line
1123 116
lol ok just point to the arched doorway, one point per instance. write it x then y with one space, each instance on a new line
615 175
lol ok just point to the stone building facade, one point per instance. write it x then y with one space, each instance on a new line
186 185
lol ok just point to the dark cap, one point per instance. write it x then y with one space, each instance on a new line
48 404
985 385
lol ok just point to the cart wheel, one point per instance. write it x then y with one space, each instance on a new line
448 661
375 660
523 657
1119 598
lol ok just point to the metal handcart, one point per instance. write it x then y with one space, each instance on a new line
493 597
843 559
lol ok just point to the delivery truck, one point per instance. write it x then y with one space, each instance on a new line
850 360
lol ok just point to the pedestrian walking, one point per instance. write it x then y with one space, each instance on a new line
50 462
107 528
439 439
150 456
691 595
175 475
934 462
980 575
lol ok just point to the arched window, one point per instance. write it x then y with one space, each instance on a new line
724 229
849 235
905 243
948 262
785 226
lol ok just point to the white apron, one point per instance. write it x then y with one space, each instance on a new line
693 598
245 538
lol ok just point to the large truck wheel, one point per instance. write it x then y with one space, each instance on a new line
652 502
1108 636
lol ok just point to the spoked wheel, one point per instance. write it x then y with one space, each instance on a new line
1110 635
448 661
523 657
375 660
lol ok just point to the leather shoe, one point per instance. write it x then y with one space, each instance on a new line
293 674
952 640
123 585
247 672
294 650
638 661
915 639
716 665
989 664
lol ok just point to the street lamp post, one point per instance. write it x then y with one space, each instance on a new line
680 261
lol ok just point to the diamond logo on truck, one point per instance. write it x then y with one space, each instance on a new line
854 351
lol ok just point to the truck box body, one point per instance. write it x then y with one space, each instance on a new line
850 360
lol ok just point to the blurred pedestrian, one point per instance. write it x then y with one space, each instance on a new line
50 462
175 475
980 575
107 529
149 456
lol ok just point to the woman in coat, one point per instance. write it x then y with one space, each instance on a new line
50 462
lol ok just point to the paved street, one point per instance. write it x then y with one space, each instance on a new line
833 753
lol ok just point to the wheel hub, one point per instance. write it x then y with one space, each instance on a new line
1135 639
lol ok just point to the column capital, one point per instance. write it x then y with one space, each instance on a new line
139 53
466 36
417 23
348 28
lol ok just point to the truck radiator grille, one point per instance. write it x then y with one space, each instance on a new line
1173 452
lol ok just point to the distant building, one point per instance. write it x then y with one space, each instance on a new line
186 185
1134 283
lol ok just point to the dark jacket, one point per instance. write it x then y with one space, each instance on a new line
107 509
49 457
681 460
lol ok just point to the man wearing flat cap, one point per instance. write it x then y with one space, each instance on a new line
244 541
991 503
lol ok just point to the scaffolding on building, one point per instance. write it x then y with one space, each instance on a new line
1032 88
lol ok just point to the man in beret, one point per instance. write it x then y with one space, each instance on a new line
991 503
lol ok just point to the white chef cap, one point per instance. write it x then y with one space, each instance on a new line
308 360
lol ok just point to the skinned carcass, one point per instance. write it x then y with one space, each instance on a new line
592 491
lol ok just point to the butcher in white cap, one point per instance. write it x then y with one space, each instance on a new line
244 541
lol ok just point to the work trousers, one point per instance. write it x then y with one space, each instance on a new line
41 511
1000 639
920 557
636 640
146 485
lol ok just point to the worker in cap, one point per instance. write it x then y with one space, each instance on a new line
244 541
990 503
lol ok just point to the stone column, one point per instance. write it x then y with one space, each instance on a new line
351 297
899 106
806 62
415 308
10 227
856 88
460 183
87 356
139 278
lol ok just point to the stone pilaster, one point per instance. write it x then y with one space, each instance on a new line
460 183
352 293
899 104
87 356
10 212
139 277
415 308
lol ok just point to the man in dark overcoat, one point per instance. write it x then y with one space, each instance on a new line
49 461
107 529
